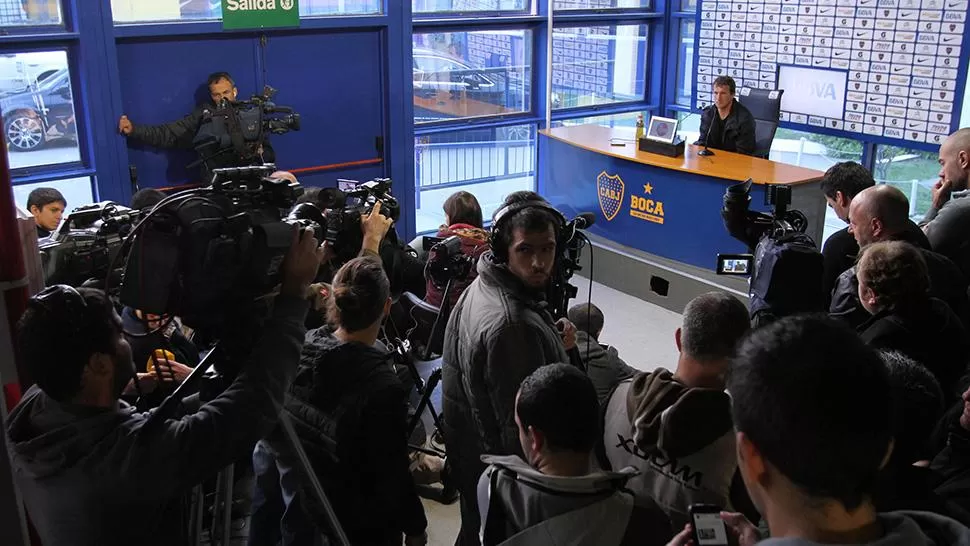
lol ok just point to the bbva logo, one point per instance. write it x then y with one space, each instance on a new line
823 90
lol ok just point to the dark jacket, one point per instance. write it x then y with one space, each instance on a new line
681 439
98 477
522 506
946 283
143 346
350 410
603 365
902 529
737 130
930 334
947 230
498 334
474 243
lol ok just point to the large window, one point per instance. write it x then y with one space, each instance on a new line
488 162
598 65
144 11
467 6
912 171
38 109
21 13
600 4
471 74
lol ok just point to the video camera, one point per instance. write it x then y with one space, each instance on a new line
86 243
786 266
241 126
206 255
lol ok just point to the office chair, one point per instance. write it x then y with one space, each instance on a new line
765 106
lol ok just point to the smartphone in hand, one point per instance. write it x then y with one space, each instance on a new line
709 529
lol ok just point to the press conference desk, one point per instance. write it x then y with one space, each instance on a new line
668 207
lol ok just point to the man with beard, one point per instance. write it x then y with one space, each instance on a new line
498 334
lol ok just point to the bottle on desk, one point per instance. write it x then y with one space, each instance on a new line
641 128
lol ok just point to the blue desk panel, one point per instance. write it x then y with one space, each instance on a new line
671 214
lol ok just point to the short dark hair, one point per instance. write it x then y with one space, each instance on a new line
896 272
918 407
359 291
713 325
56 341
147 198
560 401
847 177
726 81
217 77
463 208
41 197
816 402
587 318
529 219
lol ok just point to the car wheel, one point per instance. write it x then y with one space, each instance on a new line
24 132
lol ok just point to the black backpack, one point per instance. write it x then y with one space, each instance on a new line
787 278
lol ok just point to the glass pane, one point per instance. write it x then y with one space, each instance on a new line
77 192
816 152
601 4
489 163
20 13
38 109
144 11
685 63
913 171
471 74
467 6
598 65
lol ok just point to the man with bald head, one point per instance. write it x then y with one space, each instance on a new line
881 213
947 224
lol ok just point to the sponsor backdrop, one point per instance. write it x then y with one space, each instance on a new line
888 69
670 214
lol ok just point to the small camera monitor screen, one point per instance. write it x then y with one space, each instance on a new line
735 264
662 129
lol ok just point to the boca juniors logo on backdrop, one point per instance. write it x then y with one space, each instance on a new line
609 190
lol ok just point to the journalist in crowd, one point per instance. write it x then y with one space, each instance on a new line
214 149
90 469
350 411
552 495
498 334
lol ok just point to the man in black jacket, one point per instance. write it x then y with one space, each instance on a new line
727 124
498 334
603 363
181 133
881 213
93 471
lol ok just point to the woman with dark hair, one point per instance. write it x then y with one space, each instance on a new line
350 411
463 218
894 289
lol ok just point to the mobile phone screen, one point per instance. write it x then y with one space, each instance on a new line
709 529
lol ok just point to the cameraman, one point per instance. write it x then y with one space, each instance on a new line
91 470
181 133
498 334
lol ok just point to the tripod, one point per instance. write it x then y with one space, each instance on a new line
224 480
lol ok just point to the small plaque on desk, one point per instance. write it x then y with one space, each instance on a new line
669 149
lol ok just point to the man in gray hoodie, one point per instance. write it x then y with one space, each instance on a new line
675 428
93 471
812 406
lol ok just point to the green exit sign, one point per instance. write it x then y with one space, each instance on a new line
238 14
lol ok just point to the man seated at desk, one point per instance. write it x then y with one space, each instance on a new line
727 124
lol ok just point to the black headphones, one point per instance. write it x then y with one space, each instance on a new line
500 244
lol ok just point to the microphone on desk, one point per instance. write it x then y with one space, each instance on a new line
707 151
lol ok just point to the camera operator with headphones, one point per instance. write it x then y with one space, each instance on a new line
182 133
498 334
93 471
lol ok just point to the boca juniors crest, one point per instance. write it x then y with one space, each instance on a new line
609 189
